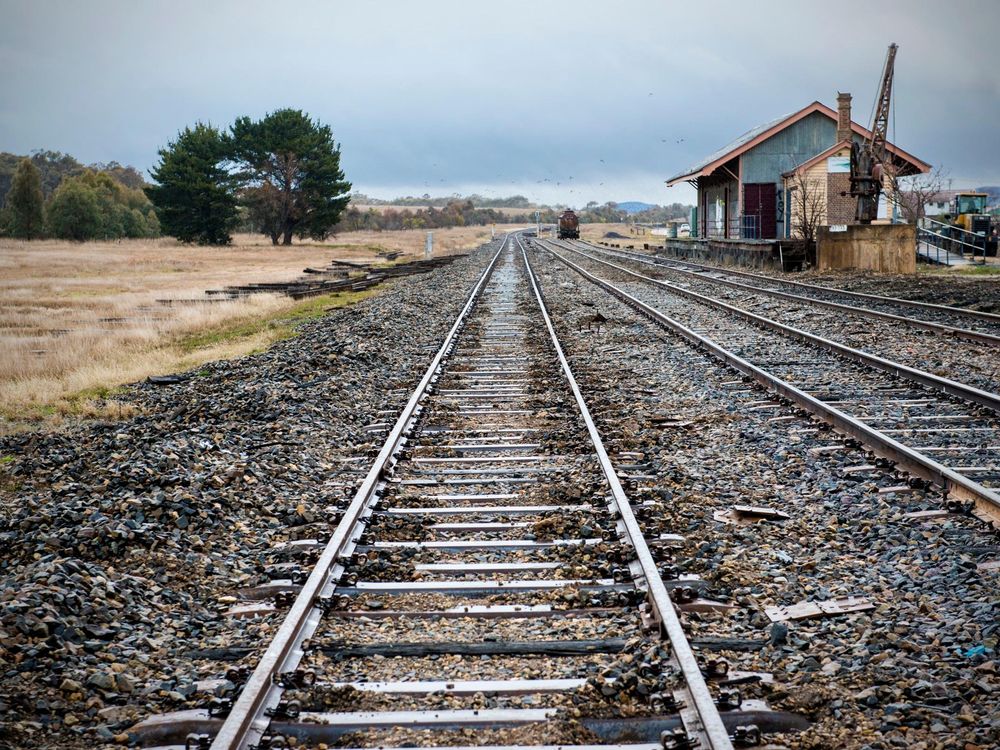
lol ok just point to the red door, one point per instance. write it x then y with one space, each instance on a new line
760 202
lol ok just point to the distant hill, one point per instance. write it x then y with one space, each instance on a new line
634 207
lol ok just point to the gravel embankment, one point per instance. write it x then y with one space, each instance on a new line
919 670
125 542
973 292
982 293
957 359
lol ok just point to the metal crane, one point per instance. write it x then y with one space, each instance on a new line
868 158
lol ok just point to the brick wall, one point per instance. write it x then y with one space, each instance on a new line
840 209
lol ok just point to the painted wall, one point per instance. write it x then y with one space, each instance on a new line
788 148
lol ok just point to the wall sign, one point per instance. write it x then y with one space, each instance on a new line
838 164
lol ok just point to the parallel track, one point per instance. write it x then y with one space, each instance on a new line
959 322
495 449
908 417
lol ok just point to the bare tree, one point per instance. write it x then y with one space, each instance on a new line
917 191
808 209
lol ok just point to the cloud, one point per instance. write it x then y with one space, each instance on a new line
472 94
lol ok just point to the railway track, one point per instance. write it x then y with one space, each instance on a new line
920 428
973 325
489 583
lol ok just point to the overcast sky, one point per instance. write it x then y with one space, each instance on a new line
560 101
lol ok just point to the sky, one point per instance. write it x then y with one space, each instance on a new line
563 102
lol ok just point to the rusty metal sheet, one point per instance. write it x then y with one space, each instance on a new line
828 608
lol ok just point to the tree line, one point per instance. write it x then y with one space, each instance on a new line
50 194
279 176
426 201
610 213
456 213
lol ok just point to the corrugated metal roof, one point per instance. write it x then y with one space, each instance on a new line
743 139
763 132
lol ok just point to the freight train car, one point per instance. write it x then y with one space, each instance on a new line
569 225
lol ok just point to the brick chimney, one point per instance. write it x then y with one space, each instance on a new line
843 117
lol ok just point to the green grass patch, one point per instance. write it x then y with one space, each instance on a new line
987 270
278 327
979 271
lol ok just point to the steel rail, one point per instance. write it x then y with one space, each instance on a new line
928 325
709 726
904 457
961 311
248 720
951 387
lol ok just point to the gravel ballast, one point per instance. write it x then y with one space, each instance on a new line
916 671
125 542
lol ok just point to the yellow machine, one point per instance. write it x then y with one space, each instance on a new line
968 215
965 207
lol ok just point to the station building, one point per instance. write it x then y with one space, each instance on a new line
746 190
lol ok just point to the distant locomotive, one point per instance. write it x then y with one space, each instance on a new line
569 225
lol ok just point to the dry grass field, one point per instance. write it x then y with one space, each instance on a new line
79 319
595 232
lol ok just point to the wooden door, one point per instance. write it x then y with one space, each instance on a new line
760 201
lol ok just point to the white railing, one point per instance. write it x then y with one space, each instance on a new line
950 240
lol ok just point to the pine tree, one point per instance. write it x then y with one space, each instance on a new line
289 171
194 197
26 203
